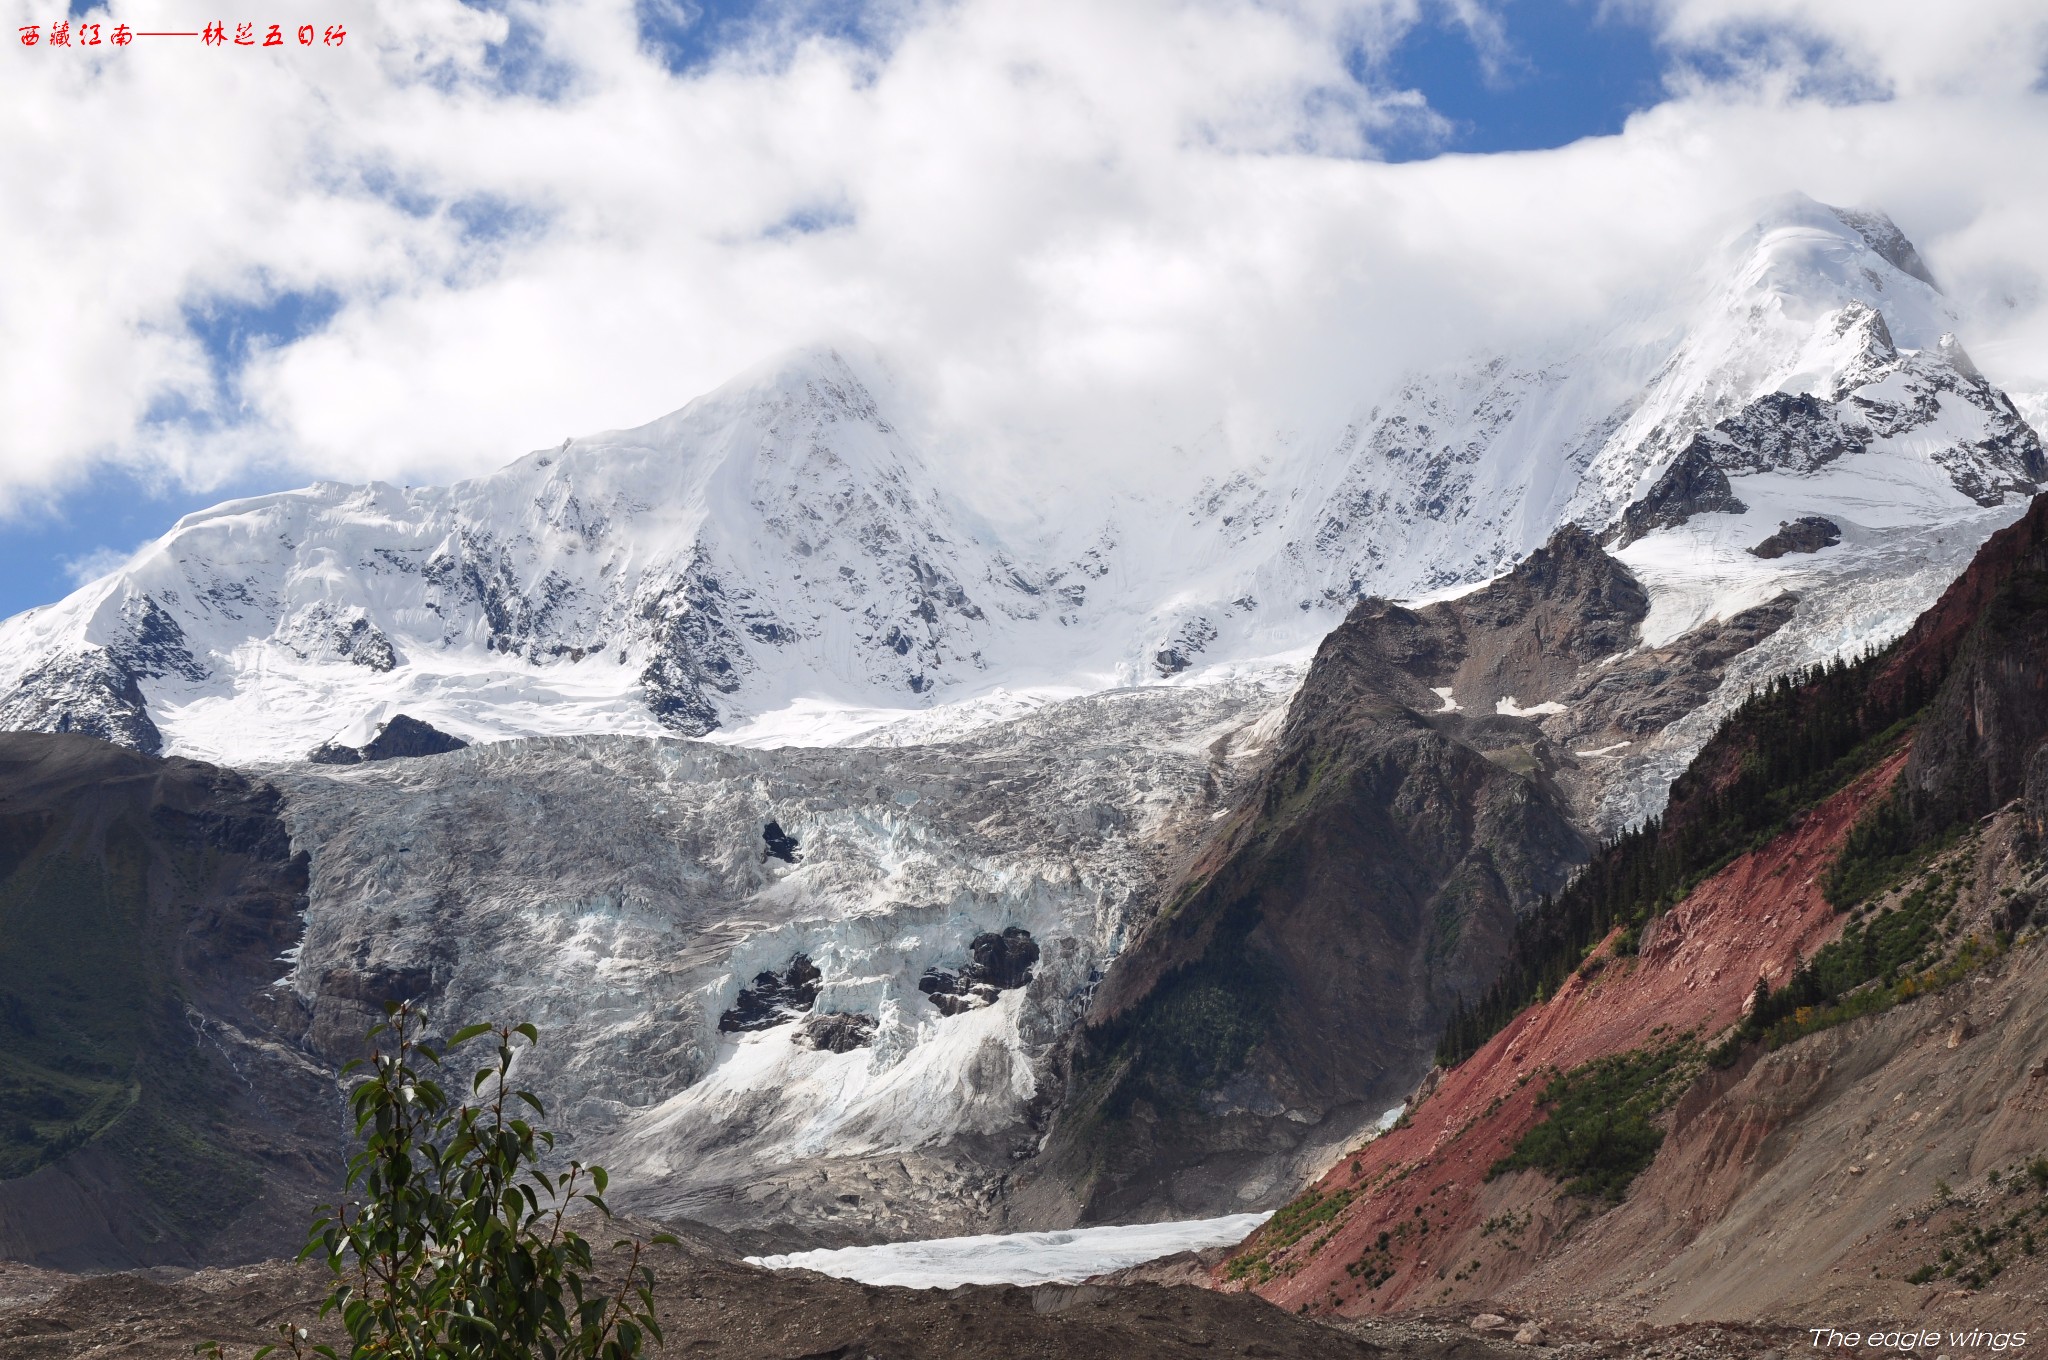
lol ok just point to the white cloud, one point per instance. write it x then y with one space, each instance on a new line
95 564
1077 227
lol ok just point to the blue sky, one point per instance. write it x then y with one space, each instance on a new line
1564 73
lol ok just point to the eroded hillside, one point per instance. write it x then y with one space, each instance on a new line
1805 1078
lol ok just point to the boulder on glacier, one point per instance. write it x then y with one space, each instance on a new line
774 998
1807 534
997 963
778 844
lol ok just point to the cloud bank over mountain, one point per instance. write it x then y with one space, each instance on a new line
1089 233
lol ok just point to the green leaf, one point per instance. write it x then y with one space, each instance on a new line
454 1247
466 1033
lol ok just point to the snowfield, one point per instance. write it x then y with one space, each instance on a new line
1017 1258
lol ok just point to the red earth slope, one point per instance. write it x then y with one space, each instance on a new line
1696 968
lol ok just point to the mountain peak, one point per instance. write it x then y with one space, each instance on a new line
1882 235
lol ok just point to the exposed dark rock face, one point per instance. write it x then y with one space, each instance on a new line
774 998
695 652
96 691
836 1031
1644 692
1299 972
1883 236
1807 534
364 644
1792 432
1694 484
1985 725
87 692
1188 643
154 644
346 1002
1005 960
779 844
150 1114
405 737
400 738
997 963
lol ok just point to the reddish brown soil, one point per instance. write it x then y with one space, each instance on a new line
1695 971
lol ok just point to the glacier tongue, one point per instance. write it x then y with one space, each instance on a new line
1018 1258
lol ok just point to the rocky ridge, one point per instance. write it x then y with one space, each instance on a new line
1415 806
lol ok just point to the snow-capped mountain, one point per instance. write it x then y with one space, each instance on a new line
831 988
778 561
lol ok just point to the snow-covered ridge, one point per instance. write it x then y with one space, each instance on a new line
779 562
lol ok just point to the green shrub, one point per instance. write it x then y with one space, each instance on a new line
1598 1132
456 1246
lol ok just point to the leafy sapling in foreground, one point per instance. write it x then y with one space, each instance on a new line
453 1241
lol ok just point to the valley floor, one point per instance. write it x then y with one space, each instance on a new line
719 1309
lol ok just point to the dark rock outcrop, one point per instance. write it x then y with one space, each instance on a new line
836 1031
150 1114
1807 534
364 644
997 963
1299 972
778 844
1987 719
1003 961
1186 644
1882 235
405 737
1803 432
774 998
401 738
1694 484
96 690
85 691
